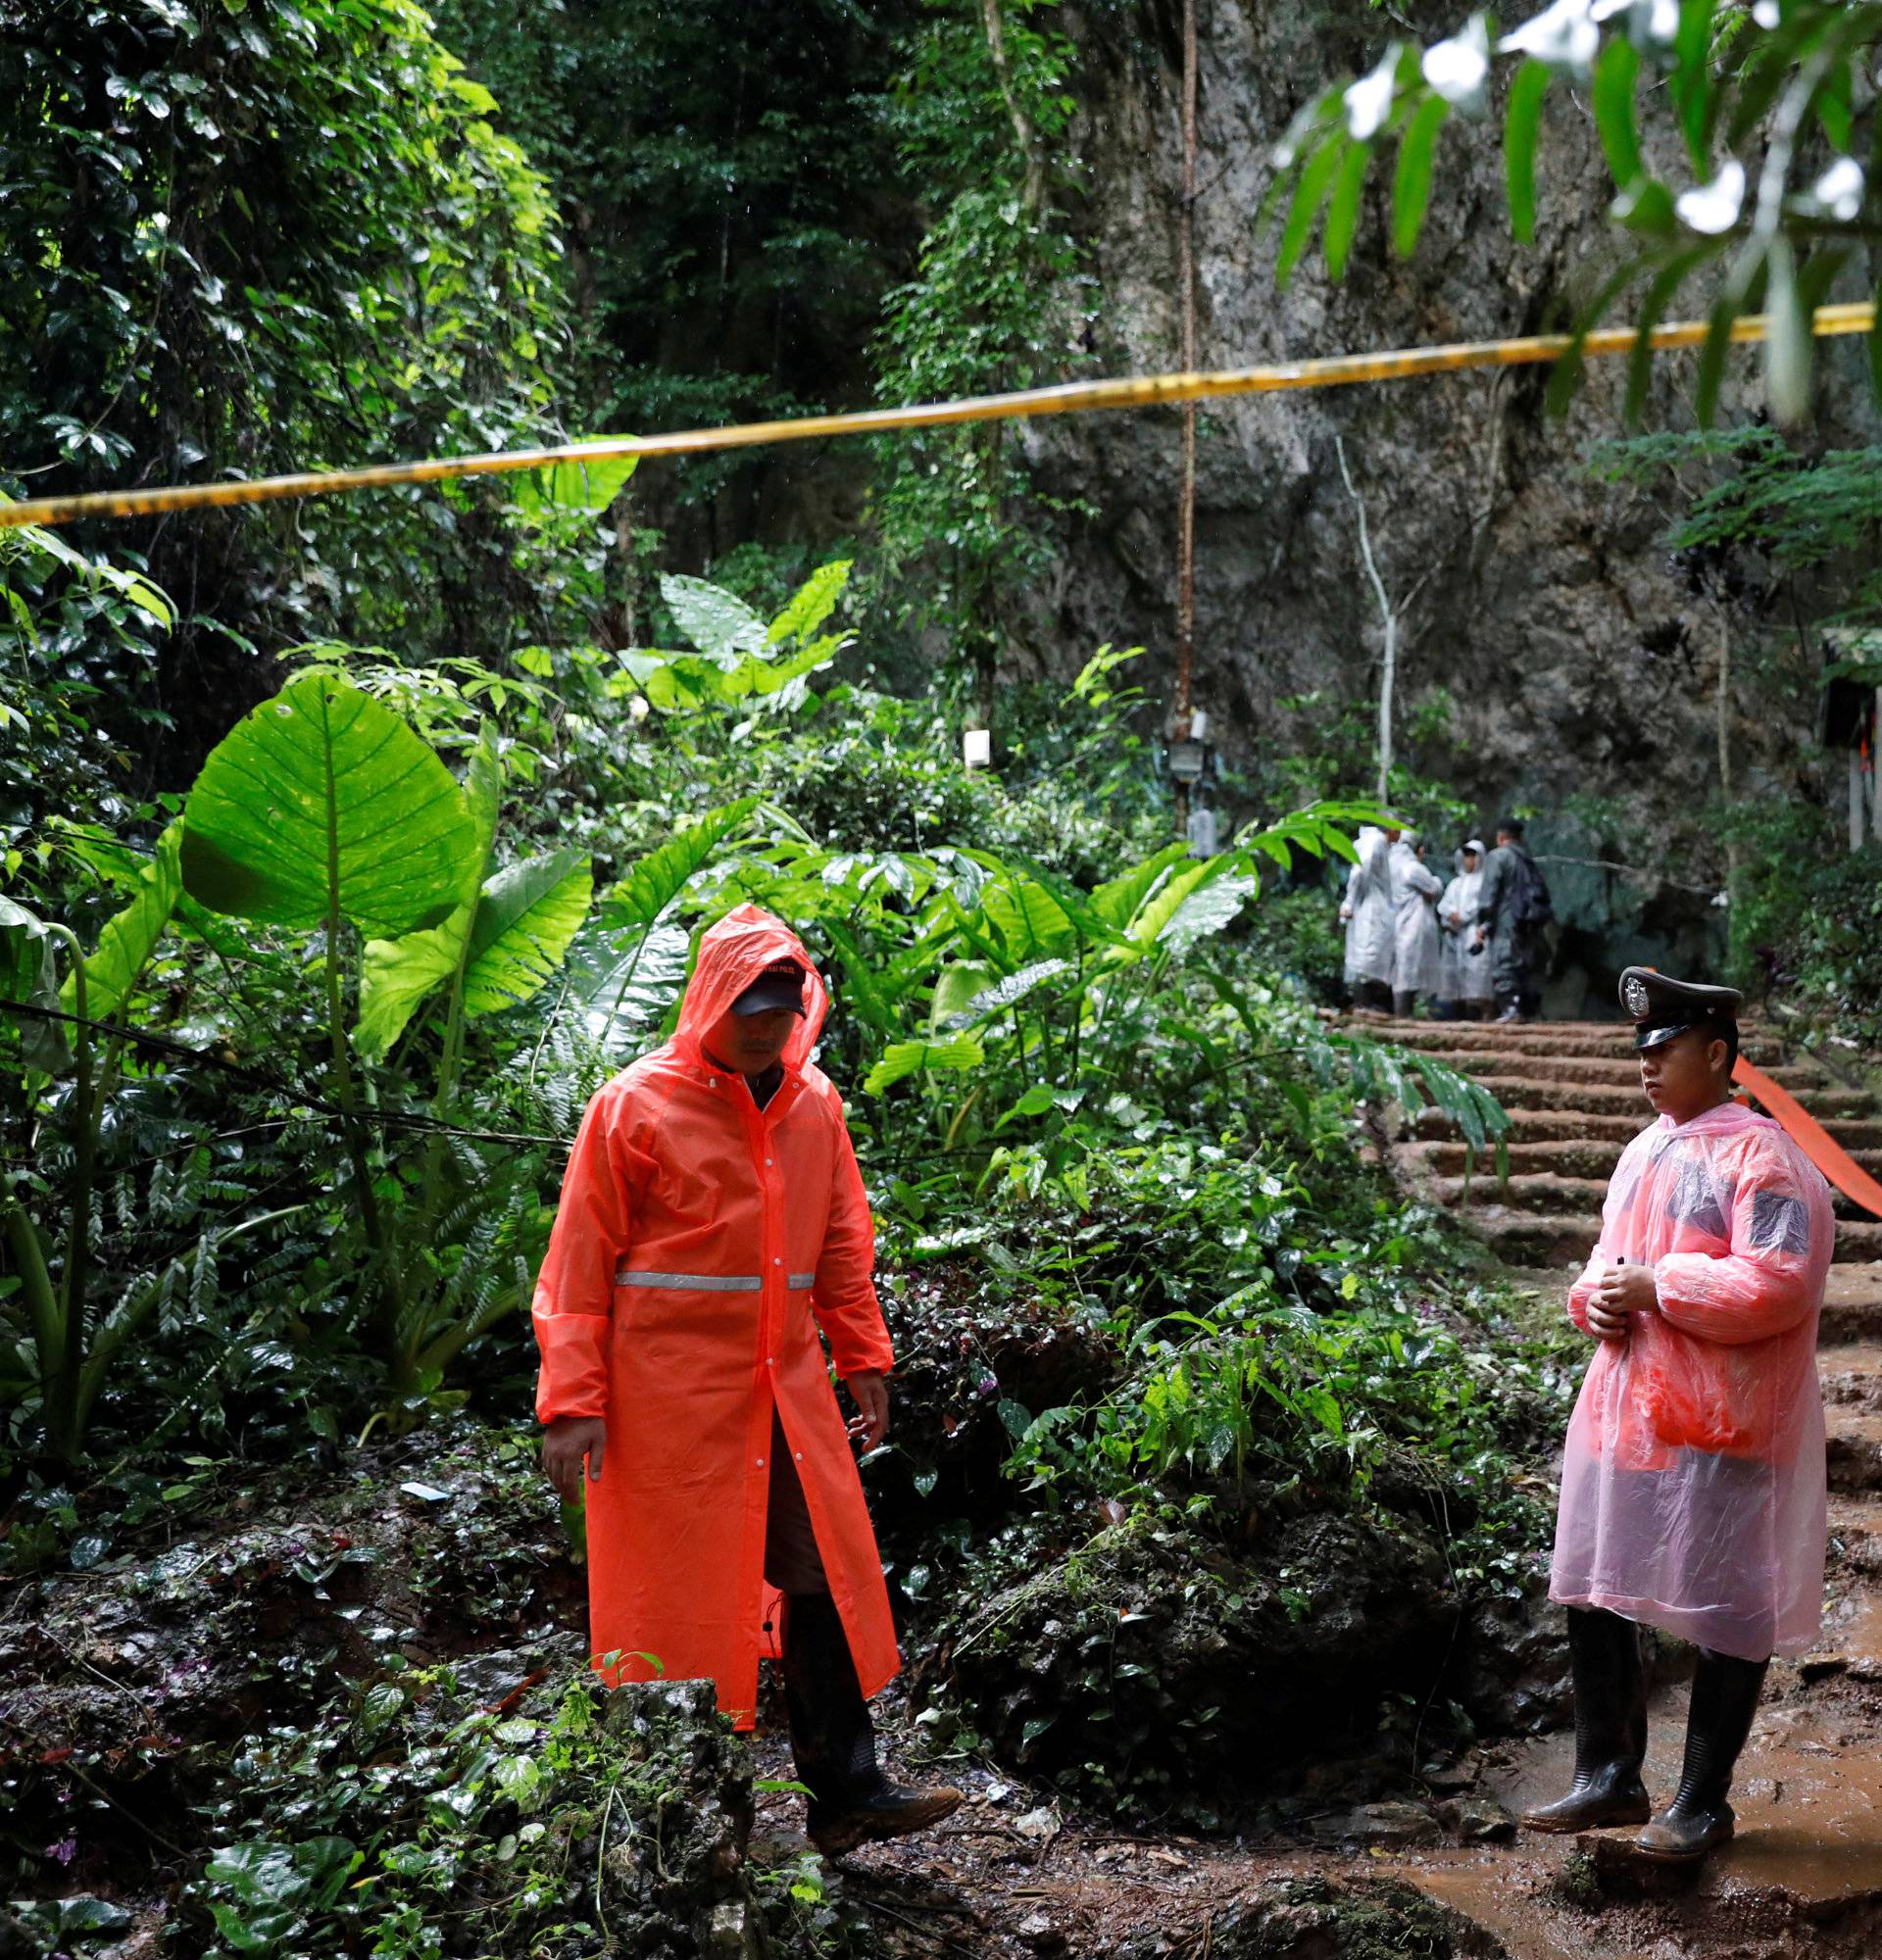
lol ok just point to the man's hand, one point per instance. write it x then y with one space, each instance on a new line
565 1441
870 1394
1623 1292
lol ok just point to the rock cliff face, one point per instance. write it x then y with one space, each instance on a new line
1546 656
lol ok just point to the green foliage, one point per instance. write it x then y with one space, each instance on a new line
322 806
410 1805
264 237
1750 489
1750 95
709 187
994 303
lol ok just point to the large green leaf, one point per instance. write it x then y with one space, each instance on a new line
1164 911
324 798
590 483
1521 125
812 603
398 973
679 683
1206 910
660 877
1013 988
130 937
627 983
27 976
1115 900
905 1058
955 985
527 918
718 622
1031 923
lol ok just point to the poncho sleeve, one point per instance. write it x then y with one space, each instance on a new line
1583 1290
1771 1278
843 1296
576 1288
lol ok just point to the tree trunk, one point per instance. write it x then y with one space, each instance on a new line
1186 509
1389 619
1033 194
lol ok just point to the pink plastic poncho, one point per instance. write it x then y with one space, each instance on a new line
1691 1480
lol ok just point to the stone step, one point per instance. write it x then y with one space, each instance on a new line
1534 1239
1546 1039
1852 1297
1851 1375
1861 1137
1828 1104
1522 1237
1562 1156
1801 1079
1539 1190
1569 1157
1854 1445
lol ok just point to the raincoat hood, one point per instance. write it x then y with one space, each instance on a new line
732 953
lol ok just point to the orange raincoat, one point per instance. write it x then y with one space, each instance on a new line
699 1244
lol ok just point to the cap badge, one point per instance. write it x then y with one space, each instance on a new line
1636 995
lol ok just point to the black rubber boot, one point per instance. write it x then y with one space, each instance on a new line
1404 1005
833 1740
1610 1728
1725 1692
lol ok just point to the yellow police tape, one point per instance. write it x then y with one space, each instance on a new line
1071 398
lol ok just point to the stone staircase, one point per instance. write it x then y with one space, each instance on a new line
1572 1091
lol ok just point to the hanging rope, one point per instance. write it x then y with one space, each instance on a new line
1142 391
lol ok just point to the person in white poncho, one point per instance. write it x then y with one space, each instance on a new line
1417 964
1464 985
1366 911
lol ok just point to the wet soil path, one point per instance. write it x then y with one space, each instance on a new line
1012 1874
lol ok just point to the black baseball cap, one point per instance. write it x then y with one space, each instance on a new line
780 985
1661 1008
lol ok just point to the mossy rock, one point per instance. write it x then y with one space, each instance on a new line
1154 1663
1313 1919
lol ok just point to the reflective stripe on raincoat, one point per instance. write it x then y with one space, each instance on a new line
1692 1482
699 1244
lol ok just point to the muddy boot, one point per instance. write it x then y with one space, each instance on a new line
1725 1692
1610 1728
833 1740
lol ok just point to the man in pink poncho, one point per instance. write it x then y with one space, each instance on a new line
1692 1482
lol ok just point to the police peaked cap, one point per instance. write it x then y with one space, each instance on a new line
1661 1008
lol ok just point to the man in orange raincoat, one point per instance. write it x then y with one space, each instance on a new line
713 1219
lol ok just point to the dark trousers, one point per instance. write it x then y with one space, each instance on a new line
792 1561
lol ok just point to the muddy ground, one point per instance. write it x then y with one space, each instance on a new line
360 1627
